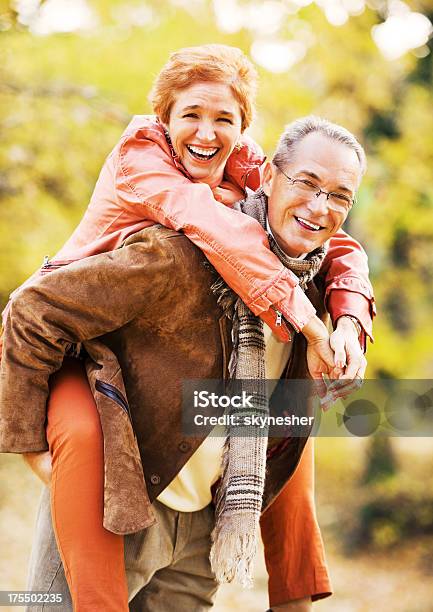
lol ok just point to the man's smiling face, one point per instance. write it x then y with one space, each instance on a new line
300 221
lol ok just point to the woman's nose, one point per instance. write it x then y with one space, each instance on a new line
205 131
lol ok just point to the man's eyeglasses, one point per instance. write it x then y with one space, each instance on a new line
339 201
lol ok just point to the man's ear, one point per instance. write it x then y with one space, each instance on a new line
268 175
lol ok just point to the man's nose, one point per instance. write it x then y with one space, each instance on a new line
205 131
318 203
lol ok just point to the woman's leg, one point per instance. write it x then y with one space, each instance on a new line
294 553
91 555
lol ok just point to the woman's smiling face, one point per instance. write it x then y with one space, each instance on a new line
204 127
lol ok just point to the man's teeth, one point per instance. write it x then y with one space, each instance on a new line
308 223
202 152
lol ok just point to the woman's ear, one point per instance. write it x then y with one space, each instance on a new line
268 175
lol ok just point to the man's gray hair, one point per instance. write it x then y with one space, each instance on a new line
297 130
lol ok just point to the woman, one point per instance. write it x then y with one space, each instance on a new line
178 170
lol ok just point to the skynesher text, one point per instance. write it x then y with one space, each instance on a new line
251 420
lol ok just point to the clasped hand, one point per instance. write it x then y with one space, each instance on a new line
340 359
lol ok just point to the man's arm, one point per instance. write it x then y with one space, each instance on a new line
343 302
350 303
76 303
347 284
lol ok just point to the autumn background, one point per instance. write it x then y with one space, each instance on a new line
73 72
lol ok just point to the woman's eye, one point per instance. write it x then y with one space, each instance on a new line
226 120
190 116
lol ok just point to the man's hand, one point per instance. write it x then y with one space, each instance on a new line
40 463
349 356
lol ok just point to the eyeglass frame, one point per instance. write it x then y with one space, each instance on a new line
293 181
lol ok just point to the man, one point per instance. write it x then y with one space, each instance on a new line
163 315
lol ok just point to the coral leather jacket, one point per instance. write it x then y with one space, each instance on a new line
143 182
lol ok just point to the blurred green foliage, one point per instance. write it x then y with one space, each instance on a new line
391 511
374 496
65 99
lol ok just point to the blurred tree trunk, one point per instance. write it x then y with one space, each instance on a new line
380 462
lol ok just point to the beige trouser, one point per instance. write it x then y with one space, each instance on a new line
168 564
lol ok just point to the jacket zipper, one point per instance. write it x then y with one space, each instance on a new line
47 266
114 394
279 319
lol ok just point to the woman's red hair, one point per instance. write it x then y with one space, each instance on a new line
214 63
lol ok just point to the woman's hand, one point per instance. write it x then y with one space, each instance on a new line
320 359
227 194
345 344
40 463
339 357
320 356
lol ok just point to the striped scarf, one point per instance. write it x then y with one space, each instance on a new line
239 496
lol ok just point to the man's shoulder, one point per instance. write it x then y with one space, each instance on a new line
166 241
158 254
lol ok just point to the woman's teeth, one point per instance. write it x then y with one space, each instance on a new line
200 153
308 224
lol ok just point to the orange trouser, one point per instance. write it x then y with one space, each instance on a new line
294 552
92 556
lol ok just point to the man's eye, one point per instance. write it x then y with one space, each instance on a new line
309 184
340 197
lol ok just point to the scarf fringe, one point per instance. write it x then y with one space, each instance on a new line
233 558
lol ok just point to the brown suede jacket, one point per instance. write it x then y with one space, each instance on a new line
147 320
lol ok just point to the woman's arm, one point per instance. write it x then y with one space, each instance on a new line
149 184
